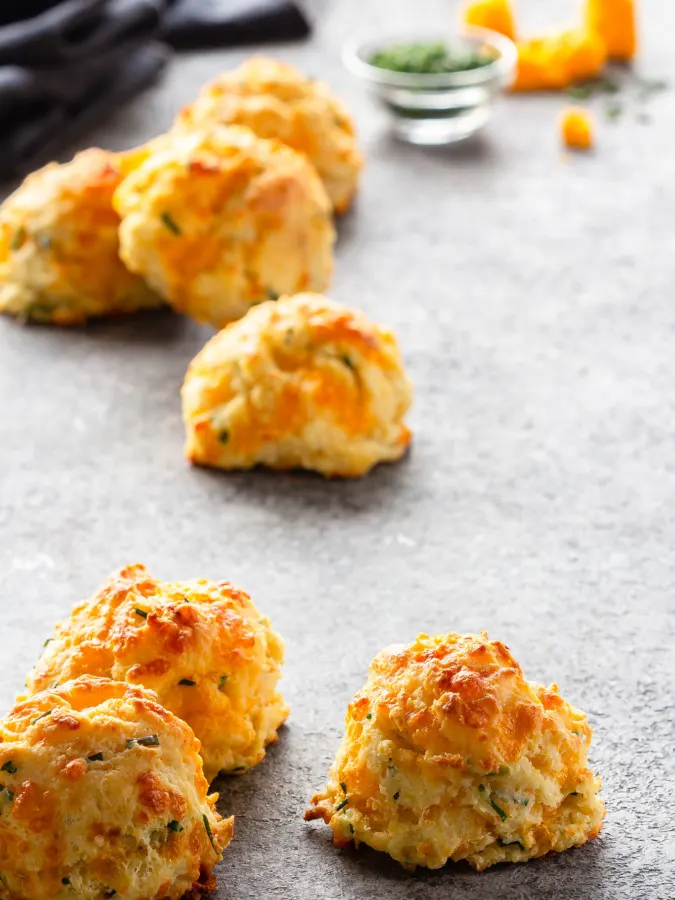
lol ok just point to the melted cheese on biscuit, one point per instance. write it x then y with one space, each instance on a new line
449 753
202 646
103 795
303 382
59 259
275 100
219 220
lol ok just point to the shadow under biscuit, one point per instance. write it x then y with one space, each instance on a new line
291 492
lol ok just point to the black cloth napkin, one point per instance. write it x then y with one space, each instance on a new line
78 29
44 111
190 24
67 64
64 70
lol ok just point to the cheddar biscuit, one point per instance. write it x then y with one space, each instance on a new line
59 260
300 383
276 100
450 754
219 220
103 795
202 646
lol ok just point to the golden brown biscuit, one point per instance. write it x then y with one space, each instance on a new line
103 795
449 753
277 101
303 382
217 221
203 647
59 259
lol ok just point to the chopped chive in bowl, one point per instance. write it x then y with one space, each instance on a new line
431 58
437 88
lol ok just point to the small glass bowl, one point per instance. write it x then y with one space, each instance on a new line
440 108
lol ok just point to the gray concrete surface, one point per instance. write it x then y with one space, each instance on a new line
534 300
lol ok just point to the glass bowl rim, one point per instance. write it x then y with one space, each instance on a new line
501 67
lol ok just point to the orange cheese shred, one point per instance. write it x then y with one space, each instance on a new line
493 14
557 61
613 21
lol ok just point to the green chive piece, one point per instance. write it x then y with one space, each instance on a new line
481 788
500 812
9 767
573 794
151 740
10 792
18 239
41 716
351 828
579 91
510 844
397 795
209 832
272 295
649 86
239 769
429 58
369 715
65 881
48 641
609 85
221 681
344 787
110 892
96 757
614 110
347 361
188 682
583 90
342 805
141 612
502 770
39 312
174 825
224 436
171 223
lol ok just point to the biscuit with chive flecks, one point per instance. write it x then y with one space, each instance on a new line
211 657
276 100
450 754
103 795
59 260
218 220
300 383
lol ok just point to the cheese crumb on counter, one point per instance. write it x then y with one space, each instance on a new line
614 22
493 14
576 128
557 61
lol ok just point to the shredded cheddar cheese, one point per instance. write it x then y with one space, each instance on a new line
614 22
559 60
577 129
493 14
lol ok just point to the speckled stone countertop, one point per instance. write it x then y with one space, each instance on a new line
535 304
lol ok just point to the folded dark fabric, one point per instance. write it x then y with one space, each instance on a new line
16 10
42 111
73 62
189 24
78 29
